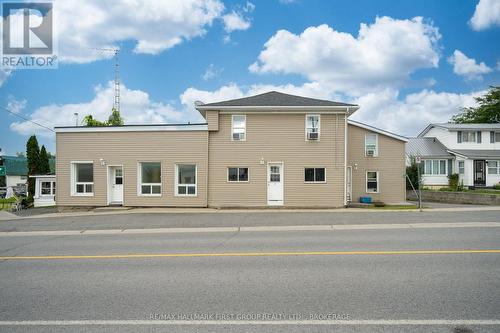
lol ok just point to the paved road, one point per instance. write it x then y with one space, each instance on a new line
312 279
224 219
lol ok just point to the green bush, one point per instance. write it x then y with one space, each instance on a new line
379 204
6 204
496 186
412 173
453 181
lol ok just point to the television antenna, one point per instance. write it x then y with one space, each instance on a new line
116 51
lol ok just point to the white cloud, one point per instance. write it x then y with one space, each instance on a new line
14 105
467 67
235 21
4 74
384 54
410 115
136 108
211 72
154 25
487 14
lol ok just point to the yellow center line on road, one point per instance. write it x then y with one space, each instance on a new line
245 254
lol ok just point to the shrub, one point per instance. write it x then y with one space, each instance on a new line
412 173
496 186
379 204
453 181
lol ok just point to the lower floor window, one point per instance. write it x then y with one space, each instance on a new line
237 174
435 167
83 178
48 188
461 167
314 175
150 176
494 167
372 178
186 180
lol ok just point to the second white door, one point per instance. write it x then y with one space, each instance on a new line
116 174
275 184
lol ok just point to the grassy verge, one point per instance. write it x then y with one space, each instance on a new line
393 207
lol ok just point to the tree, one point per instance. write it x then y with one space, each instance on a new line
33 157
90 121
44 166
412 173
115 119
487 111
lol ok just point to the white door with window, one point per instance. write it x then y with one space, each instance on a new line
275 184
116 183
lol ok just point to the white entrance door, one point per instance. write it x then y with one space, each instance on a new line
349 184
275 184
116 175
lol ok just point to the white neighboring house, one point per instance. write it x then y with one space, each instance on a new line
45 190
471 150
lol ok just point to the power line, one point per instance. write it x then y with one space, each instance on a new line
26 119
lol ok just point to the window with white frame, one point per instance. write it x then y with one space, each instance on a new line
150 178
186 180
237 174
312 126
371 144
434 167
372 180
48 188
82 178
461 167
314 175
239 127
494 167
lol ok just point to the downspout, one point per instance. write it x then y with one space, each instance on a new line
345 157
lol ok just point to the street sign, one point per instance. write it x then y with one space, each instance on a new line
418 159
2 170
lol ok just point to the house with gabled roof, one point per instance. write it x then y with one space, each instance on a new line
267 150
470 150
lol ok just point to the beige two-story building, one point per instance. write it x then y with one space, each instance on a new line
268 150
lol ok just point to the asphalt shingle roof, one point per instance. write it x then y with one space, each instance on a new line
274 98
426 147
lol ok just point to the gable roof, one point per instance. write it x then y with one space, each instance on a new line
377 130
274 98
275 101
459 127
426 147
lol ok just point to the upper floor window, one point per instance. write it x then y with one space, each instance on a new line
185 182
494 137
468 136
150 176
312 126
239 128
435 167
82 178
371 144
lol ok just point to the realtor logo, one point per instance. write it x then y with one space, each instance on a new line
27 35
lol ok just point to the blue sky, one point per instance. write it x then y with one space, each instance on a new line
406 63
